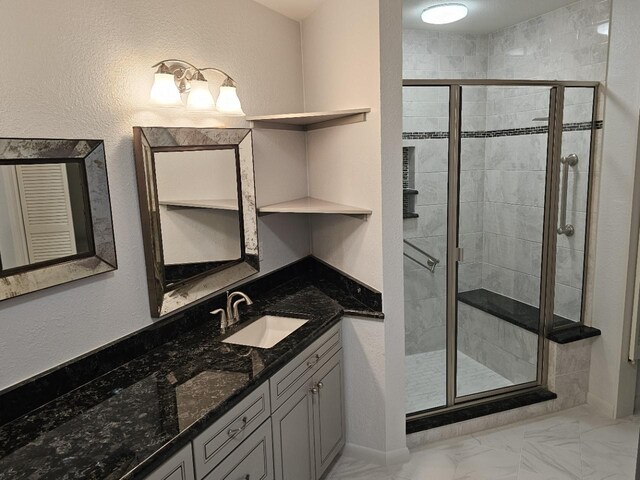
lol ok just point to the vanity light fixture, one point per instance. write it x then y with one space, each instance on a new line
176 77
444 13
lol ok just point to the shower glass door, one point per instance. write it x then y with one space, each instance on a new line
504 152
425 173
496 201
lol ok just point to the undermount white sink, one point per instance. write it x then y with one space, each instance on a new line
266 331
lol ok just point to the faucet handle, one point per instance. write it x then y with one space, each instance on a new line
224 321
236 304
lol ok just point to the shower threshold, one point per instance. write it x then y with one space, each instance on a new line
439 418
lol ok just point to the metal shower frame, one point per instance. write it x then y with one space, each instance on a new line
550 234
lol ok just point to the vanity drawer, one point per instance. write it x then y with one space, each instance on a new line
294 374
252 460
224 436
179 467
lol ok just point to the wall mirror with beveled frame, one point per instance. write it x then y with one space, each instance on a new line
198 209
55 213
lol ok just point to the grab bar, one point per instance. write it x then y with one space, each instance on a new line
431 262
568 161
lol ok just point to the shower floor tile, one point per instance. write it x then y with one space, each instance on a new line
426 379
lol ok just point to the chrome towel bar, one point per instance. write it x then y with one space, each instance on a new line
569 161
430 262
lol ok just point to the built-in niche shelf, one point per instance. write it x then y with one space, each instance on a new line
314 206
211 204
309 121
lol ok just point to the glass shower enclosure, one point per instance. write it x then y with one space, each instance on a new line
497 187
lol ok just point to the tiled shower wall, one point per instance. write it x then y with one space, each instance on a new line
440 55
502 179
563 45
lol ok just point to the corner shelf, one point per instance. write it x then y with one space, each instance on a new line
313 205
230 204
309 121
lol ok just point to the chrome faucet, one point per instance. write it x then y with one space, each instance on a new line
231 316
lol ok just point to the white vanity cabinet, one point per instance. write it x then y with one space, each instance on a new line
308 429
308 417
290 428
179 467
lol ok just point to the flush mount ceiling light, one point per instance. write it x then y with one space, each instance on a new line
603 28
444 13
176 77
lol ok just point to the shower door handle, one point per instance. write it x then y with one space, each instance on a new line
569 161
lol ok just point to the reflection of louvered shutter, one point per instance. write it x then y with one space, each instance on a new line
46 210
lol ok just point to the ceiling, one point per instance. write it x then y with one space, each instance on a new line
295 9
485 16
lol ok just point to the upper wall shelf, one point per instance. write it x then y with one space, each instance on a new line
313 205
309 121
223 204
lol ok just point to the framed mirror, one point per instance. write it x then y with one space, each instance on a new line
55 213
198 209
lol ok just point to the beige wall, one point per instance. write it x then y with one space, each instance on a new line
82 69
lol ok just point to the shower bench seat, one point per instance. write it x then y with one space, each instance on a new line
525 316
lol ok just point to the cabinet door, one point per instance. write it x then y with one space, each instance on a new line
293 437
328 413
179 467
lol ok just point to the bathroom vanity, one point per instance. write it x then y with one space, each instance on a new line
183 404
294 421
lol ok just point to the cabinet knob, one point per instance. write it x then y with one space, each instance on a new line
320 385
314 390
313 361
232 432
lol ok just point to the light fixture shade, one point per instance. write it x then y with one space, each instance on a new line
164 91
200 97
444 13
228 101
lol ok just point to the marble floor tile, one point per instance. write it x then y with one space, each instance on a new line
575 444
426 379
347 468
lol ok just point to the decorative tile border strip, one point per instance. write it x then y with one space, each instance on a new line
509 132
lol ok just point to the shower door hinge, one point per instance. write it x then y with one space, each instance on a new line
460 254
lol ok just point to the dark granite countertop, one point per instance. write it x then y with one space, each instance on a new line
128 421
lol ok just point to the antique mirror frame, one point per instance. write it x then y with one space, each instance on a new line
102 257
148 141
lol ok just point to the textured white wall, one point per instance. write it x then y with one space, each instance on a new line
342 52
612 377
342 70
81 69
391 140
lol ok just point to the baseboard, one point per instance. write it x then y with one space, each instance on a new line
602 406
377 457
